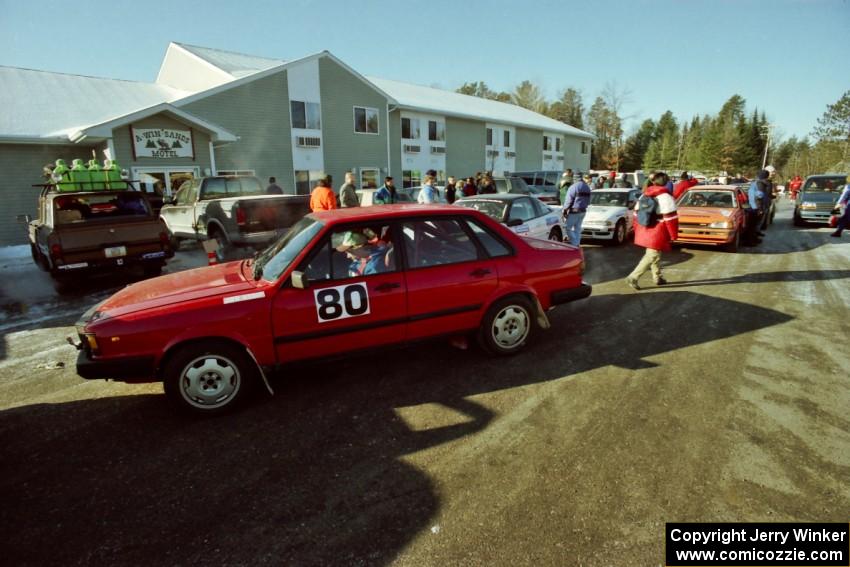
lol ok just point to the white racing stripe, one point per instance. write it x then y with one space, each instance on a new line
244 297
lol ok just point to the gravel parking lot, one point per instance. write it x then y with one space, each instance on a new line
720 397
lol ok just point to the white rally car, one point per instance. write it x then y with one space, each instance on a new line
526 216
609 215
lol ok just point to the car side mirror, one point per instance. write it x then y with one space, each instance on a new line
299 280
23 219
514 222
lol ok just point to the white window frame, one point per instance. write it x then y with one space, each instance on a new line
489 133
237 172
437 126
417 129
585 148
507 133
306 115
377 171
354 120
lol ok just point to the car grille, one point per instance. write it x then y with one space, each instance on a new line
693 224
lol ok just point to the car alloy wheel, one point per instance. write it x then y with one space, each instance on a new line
620 232
210 381
511 327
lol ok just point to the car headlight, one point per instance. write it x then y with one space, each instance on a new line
720 224
808 205
608 223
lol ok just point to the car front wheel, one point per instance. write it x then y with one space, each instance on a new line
507 326
556 235
619 233
209 378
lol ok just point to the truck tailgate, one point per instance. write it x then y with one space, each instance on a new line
87 241
273 213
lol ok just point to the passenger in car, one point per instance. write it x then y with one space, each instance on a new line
366 257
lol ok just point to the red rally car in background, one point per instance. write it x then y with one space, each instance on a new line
339 281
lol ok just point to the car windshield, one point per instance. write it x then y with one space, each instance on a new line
606 199
272 261
832 183
493 209
722 199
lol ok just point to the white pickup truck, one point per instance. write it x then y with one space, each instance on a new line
236 211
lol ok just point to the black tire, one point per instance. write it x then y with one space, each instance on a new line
508 326
39 258
619 233
797 220
152 270
735 244
556 234
225 249
174 242
209 378
62 284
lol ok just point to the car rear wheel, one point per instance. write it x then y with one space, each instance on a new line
555 234
798 221
209 378
507 326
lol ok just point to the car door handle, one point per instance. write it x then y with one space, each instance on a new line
389 286
479 273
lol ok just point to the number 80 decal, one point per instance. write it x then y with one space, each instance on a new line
341 302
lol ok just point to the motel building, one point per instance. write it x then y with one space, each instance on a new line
215 112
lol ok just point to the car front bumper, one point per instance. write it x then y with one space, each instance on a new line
124 369
703 235
597 232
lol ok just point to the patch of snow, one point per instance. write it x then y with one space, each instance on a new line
14 252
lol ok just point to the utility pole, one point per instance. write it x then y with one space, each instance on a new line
766 146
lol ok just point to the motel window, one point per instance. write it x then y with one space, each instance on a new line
506 137
489 136
410 128
411 178
305 115
558 144
365 120
584 147
235 172
436 131
547 143
304 181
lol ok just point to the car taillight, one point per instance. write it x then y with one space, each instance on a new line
163 238
56 251
240 217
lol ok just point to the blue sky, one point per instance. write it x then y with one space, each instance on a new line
788 57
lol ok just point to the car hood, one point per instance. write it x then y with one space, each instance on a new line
176 288
704 214
601 213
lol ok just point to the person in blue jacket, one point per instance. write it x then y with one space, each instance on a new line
757 196
575 206
843 201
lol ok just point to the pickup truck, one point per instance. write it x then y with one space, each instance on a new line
233 210
83 232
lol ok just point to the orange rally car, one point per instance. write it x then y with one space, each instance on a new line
712 214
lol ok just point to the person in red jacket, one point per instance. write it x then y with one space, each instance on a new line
794 186
657 237
685 183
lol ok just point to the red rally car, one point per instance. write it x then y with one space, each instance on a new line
339 281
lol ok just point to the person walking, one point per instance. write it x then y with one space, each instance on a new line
273 188
322 198
451 191
386 194
575 207
564 184
843 202
794 186
487 186
660 230
685 183
347 193
756 212
428 194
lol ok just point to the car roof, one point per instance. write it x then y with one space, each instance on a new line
386 212
495 197
714 187
615 189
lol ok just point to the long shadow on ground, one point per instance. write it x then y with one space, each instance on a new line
315 475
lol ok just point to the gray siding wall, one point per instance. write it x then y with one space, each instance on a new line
529 149
573 158
465 142
257 112
124 145
346 150
21 165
